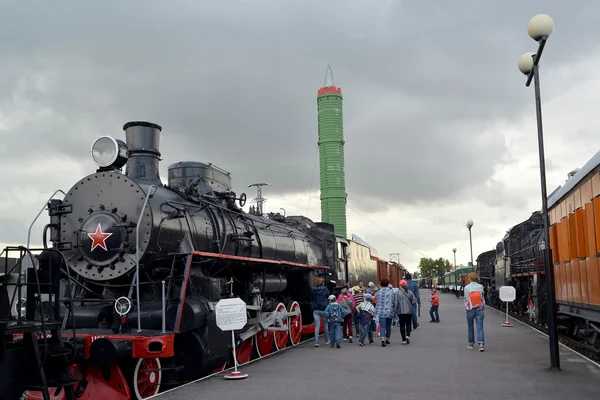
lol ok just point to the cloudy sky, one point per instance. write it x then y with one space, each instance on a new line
439 125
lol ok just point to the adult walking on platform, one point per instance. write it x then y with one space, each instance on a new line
405 302
475 305
413 287
319 303
359 297
385 310
347 302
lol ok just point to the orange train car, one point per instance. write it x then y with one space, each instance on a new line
574 217
574 212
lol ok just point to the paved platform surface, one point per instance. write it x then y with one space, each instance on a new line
436 365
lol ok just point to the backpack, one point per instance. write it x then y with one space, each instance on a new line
475 299
345 307
334 313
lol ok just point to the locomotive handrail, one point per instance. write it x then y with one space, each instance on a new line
137 253
33 223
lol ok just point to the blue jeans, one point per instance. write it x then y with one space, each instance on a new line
317 314
414 316
366 331
336 332
476 315
434 310
385 327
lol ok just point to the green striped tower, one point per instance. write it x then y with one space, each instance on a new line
331 155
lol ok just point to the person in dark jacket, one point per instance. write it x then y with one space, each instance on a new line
413 287
320 301
405 300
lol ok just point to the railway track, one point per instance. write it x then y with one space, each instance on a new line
581 348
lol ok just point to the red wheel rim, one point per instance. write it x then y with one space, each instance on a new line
243 353
146 377
220 369
295 324
264 343
281 337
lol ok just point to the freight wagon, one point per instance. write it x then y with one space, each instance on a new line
358 262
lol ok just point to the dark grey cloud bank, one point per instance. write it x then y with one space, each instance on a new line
235 83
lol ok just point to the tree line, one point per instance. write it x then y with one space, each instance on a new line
431 267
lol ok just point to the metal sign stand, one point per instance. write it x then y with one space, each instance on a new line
507 323
507 294
235 374
231 315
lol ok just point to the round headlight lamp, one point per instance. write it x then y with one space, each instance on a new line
109 152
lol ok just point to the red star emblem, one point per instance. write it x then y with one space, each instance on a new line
99 238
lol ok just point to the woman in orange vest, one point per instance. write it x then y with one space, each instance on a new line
474 304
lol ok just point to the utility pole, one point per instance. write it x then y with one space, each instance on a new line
395 257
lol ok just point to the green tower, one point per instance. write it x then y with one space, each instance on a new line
331 155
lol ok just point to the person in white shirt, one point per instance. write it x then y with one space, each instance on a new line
474 305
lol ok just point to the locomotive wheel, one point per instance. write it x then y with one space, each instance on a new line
281 337
295 324
264 342
146 377
243 353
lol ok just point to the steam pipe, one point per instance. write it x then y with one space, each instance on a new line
164 309
33 223
137 254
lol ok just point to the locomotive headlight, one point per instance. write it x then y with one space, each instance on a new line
109 152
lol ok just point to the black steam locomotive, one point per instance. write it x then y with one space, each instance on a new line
148 262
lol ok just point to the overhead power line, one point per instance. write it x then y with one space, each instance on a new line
388 232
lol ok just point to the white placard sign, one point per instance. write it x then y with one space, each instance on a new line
508 293
231 314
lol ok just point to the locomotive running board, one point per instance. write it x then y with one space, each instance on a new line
255 260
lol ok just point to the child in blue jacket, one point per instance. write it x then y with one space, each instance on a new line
334 315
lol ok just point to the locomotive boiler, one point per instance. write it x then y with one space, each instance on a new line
148 262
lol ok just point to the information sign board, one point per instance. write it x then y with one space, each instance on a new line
508 293
231 314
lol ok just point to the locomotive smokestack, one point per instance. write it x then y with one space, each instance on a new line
143 141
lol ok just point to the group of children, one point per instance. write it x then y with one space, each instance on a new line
342 311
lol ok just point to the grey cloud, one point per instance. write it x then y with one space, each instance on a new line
235 84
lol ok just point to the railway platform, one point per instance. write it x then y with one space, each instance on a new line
436 365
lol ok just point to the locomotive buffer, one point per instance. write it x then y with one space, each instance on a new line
231 315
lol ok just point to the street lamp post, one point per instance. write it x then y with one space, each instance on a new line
540 28
455 276
470 224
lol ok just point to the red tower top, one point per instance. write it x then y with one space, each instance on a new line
329 87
